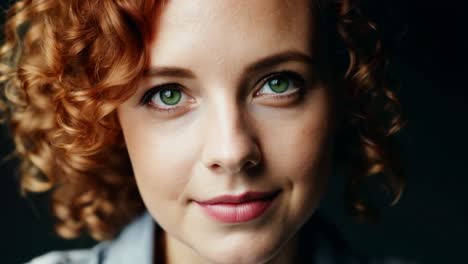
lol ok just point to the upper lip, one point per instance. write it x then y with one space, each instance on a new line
241 198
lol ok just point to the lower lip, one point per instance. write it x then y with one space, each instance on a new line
236 213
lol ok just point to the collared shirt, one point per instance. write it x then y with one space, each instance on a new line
135 245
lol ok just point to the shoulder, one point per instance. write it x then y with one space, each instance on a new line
330 247
76 256
361 260
133 245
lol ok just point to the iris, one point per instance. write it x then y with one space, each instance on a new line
279 84
170 97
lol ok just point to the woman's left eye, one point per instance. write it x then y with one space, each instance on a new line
283 84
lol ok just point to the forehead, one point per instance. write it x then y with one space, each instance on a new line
230 30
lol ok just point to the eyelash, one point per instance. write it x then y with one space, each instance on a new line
294 77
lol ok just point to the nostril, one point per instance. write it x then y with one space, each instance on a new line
215 167
250 164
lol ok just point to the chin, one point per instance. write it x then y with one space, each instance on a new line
251 252
250 258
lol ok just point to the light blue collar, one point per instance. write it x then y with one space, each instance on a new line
135 243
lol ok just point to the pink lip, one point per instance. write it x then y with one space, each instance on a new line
238 208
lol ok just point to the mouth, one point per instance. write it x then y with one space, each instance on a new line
238 208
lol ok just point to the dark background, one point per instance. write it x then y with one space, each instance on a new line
430 223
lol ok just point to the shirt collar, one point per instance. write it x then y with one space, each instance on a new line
135 243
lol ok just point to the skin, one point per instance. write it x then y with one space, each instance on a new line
228 134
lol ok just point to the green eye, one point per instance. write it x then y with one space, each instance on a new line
282 85
279 84
170 96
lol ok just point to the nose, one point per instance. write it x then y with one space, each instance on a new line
230 145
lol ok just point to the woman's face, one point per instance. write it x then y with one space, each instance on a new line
232 153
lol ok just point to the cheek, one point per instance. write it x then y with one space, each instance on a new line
299 157
161 161
300 148
310 166
305 162
309 152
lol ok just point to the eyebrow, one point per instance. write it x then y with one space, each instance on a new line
264 63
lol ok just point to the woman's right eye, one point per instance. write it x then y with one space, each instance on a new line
165 98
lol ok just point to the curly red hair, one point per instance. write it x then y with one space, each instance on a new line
66 66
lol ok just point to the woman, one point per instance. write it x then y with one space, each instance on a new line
218 120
